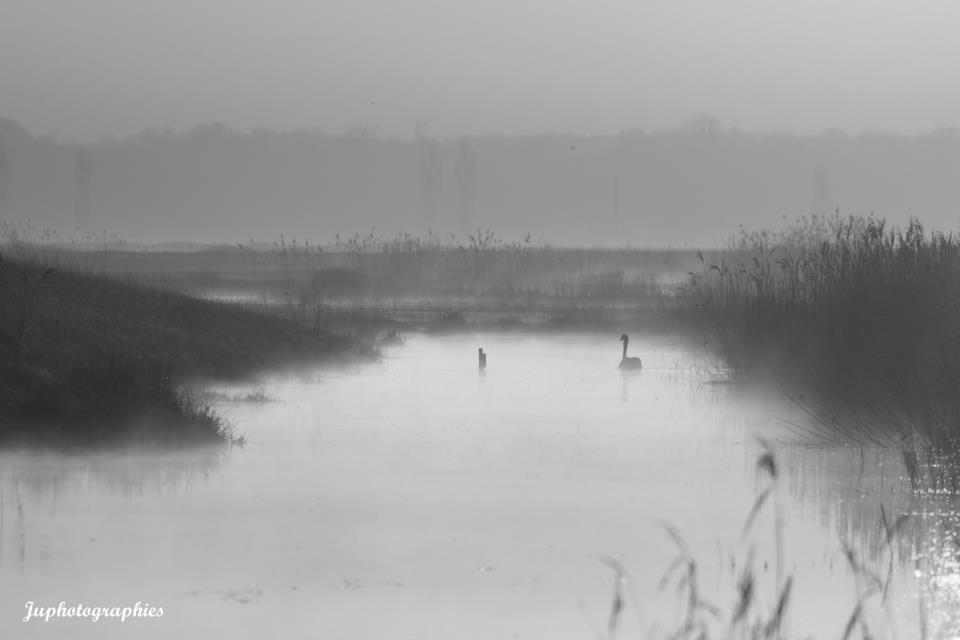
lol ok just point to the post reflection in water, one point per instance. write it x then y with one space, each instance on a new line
40 483
416 497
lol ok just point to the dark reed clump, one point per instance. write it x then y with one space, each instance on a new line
90 360
853 311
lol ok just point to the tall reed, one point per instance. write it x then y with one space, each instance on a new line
847 309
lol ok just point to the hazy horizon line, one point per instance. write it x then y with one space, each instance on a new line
699 124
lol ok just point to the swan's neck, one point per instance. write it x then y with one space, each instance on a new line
625 349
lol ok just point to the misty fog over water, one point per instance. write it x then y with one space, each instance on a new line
309 319
418 498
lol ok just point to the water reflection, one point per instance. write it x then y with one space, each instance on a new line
131 473
418 497
35 485
899 543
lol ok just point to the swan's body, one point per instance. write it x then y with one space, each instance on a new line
626 362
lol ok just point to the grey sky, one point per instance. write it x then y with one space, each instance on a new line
81 69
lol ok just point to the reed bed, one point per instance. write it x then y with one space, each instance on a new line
370 267
845 312
370 282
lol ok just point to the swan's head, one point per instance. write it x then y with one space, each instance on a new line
624 338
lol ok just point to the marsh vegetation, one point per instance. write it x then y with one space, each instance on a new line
589 445
90 359
858 321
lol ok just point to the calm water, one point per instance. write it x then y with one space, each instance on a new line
415 498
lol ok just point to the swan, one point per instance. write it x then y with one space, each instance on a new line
628 363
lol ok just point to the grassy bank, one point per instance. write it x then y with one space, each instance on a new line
850 313
88 359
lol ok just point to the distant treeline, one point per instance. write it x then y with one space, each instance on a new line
684 187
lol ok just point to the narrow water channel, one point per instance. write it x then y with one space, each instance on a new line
418 498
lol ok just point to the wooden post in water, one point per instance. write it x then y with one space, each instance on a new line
481 359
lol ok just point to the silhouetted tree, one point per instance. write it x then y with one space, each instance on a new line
4 177
821 191
466 181
703 123
361 130
81 188
431 175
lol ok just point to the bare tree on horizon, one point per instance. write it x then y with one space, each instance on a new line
431 174
4 177
81 188
466 181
